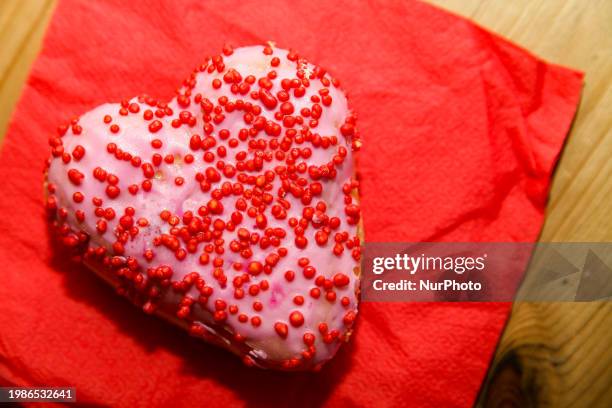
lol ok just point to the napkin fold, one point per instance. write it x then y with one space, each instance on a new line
461 132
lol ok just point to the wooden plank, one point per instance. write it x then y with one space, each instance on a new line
558 354
22 25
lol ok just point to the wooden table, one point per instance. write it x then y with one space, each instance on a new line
560 354
550 354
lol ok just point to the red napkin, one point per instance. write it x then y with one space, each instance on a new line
461 131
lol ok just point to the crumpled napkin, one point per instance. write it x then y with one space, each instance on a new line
461 131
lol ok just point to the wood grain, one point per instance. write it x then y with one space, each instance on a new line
559 354
22 25
550 354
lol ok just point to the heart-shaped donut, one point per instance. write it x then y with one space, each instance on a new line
231 210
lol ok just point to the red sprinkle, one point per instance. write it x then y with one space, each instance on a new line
296 318
155 126
75 176
281 329
341 280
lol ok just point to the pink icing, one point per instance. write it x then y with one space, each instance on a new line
181 186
